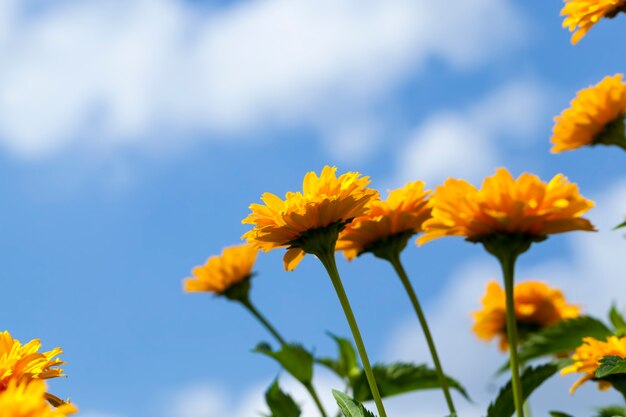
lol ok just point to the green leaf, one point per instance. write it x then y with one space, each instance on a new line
531 378
611 365
398 378
350 407
618 321
611 411
346 365
293 358
619 226
280 403
562 337
559 414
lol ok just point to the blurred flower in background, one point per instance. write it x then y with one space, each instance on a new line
537 305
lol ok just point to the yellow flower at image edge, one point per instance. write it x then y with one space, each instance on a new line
537 305
525 207
403 213
220 273
596 116
325 201
29 400
587 358
25 363
581 15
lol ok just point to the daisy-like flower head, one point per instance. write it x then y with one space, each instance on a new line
537 305
28 399
596 116
222 273
24 363
326 203
524 210
581 15
587 359
399 217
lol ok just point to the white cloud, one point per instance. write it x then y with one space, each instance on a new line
210 400
467 143
116 72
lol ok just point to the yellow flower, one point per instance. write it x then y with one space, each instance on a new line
29 400
587 358
404 212
537 305
581 15
25 363
595 117
325 201
505 206
220 273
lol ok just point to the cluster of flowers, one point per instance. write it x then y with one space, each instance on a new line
506 215
23 371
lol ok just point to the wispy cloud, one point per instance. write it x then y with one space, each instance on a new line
145 73
468 142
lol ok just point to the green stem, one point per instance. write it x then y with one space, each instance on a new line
328 260
316 398
527 409
508 269
256 313
397 265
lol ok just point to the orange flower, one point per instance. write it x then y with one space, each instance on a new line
325 201
25 363
403 213
220 273
587 358
581 15
537 305
22 399
505 206
596 116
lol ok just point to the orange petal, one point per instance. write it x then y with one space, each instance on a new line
292 258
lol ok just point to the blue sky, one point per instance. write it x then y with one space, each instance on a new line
134 136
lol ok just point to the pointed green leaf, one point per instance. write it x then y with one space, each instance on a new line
562 337
346 365
559 414
531 378
398 378
350 407
619 226
611 365
293 358
618 321
280 403
611 411
613 370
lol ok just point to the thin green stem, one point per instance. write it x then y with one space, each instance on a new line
328 260
397 265
316 398
508 269
256 313
527 409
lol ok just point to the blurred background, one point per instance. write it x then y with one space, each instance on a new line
134 135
